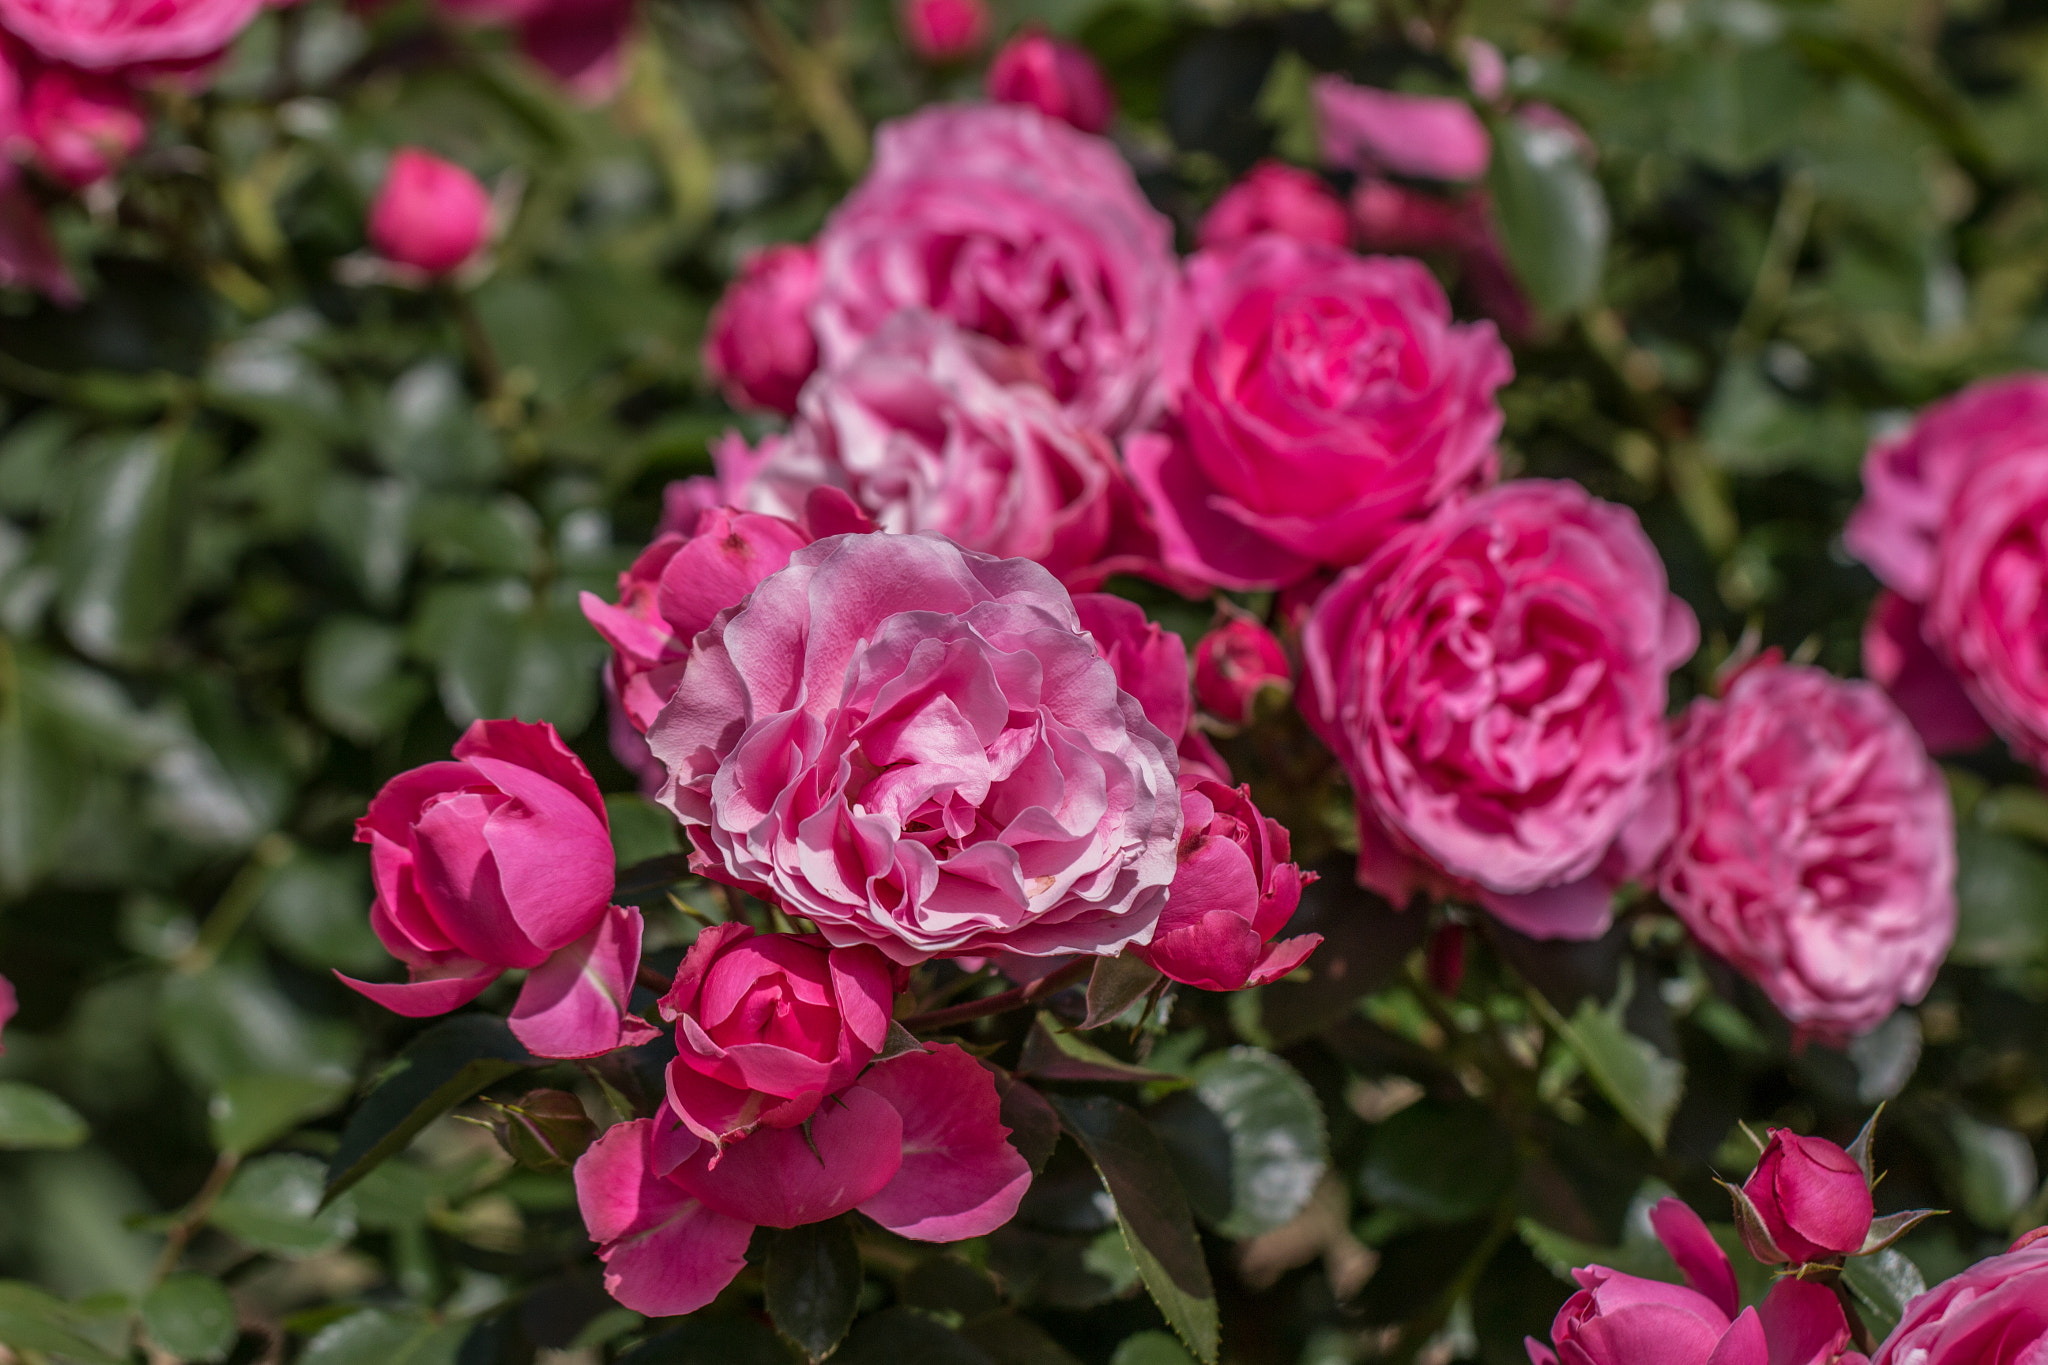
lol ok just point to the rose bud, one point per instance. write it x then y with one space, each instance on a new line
759 346
500 860
1233 891
944 30
8 1006
768 1025
1053 76
1991 1314
543 1130
1276 197
1813 1200
1234 663
431 215
1151 663
81 127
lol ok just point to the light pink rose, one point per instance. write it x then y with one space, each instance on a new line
916 746
1324 400
114 35
1276 197
1151 663
1236 662
580 43
1232 894
915 1144
8 1006
81 127
769 1025
759 346
1015 225
1494 682
1994 1313
1898 658
1815 847
928 428
1813 1198
430 214
943 30
502 859
1053 76
1365 129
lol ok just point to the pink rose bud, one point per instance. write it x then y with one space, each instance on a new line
499 860
944 30
768 1025
1151 663
758 346
81 127
431 215
1236 662
1233 892
1815 847
1053 76
1812 1196
1991 1314
180 35
1368 130
8 1005
1276 197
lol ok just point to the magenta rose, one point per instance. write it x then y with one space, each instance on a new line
500 860
1324 400
1233 892
1815 847
768 1025
1494 682
115 35
580 43
1898 658
1366 130
1053 76
81 127
916 746
1994 1313
1151 663
1276 197
928 428
1015 225
759 346
431 215
943 30
1234 664
8 1006
1813 1198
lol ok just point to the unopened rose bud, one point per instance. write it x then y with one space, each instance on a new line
759 346
1058 79
431 215
1812 1197
944 30
1233 664
1276 197
544 1130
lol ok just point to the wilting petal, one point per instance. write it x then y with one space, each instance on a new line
960 1175
787 1177
431 991
1684 1234
579 1002
664 1252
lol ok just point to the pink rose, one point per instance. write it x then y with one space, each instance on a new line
918 747
502 859
1815 847
8 1006
915 1144
118 34
1898 658
580 43
768 1025
431 215
1234 890
928 428
1276 197
1994 1313
1618 1319
1813 1198
943 30
1394 218
1151 663
758 345
1324 401
1236 662
81 127
1365 129
1015 225
1494 682
1053 76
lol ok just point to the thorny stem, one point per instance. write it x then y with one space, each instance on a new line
1016 998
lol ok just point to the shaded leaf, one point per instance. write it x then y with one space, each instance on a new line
812 1282
1116 984
32 1320
1882 1285
1638 1080
1442 1163
31 1116
1553 218
1278 1147
1057 1055
191 1316
900 1336
274 1203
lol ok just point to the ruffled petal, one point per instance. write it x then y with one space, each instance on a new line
960 1176
579 1002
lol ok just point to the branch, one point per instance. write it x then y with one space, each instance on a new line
1015 998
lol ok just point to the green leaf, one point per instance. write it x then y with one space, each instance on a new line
1638 1080
1152 1213
1115 985
31 1116
1149 1348
1365 941
274 1204
1552 216
438 1070
250 1112
232 1021
429 429
376 1337
1995 1171
1442 1163
31 1320
121 548
355 679
1278 1149
703 1340
190 1316
2001 899
1053 1053
1010 1339
813 1280
901 1336
501 652
1883 1285
312 910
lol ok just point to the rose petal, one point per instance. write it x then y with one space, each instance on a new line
960 1176
664 1252
579 1002
433 990
787 1177
1684 1234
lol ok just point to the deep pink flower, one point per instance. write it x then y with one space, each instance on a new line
1324 401
431 214
917 746
1394 218
929 428
1815 847
1151 663
1367 130
758 345
579 43
1276 197
81 127
1494 681
1232 893
1236 662
1812 1196
769 1025
114 35
8 1006
1994 1313
1053 76
497 860
915 1144
1018 226
1897 656
943 30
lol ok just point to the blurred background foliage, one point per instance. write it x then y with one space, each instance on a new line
268 537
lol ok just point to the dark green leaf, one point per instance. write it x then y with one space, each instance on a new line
645 878
250 1112
1149 1348
704 1340
1057 1055
1115 985
1882 1285
1365 941
377 1337
2001 899
355 678
1551 213
122 546
1995 1172
1034 1127
190 1316
900 1336
31 1116
32 1320
1442 1163
1013 1340
274 1204
1638 1080
1279 1150
812 1283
